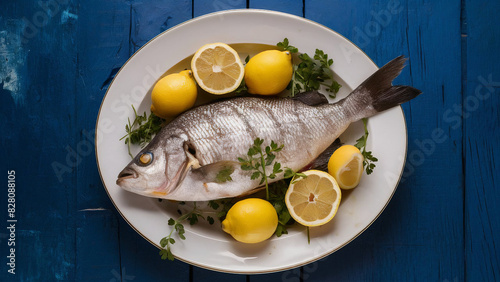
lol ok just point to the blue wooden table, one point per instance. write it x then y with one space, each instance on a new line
57 58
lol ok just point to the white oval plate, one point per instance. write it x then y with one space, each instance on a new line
207 246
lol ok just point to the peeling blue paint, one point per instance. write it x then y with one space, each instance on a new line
13 67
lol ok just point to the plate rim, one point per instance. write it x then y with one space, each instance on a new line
249 11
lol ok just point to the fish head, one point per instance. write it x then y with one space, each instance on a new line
158 169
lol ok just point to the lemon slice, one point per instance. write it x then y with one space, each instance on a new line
217 68
314 200
346 166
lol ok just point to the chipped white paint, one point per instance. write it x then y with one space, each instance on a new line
13 60
93 209
66 15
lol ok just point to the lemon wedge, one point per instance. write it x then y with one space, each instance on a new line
346 166
314 200
217 68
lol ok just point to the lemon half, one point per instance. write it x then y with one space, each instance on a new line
314 200
217 68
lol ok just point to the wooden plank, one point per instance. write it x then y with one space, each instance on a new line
97 254
402 244
100 55
141 259
480 121
102 45
205 7
38 114
294 7
150 18
124 28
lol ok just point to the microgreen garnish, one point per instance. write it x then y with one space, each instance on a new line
368 158
193 217
141 130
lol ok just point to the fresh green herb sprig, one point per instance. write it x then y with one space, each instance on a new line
295 176
141 130
332 87
285 46
243 87
275 192
368 158
224 204
311 73
257 160
193 217
277 199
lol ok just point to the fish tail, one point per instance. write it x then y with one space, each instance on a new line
376 93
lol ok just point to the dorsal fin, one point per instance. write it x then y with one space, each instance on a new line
311 98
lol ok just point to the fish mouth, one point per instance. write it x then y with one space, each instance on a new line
126 173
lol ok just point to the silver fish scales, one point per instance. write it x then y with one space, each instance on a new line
188 153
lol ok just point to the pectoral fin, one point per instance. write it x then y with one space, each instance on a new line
218 172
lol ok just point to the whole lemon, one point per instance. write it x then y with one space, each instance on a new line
269 72
174 94
251 220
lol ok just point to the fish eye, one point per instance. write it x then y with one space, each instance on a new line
145 158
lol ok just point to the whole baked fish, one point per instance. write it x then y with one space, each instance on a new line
183 160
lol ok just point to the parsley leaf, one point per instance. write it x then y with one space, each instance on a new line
224 174
368 158
285 46
277 199
258 159
224 205
142 129
193 217
311 73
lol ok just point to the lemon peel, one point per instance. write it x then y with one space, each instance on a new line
251 220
